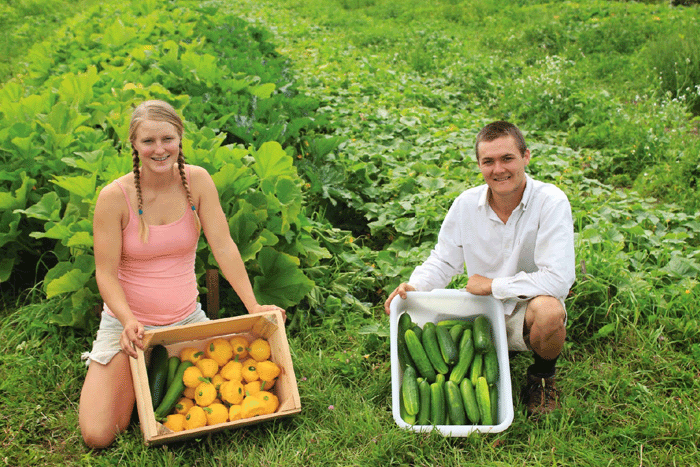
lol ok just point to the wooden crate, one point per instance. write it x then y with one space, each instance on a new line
268 325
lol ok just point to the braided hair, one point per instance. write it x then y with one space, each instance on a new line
159 111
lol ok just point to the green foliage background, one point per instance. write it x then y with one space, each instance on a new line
338 133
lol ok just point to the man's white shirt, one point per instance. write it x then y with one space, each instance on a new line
532 254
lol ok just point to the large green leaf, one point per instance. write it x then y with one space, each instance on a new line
77 310
245 226
263 91
231 180
47 209
78 88
69 282
81 185
80 239
69 276
18 200
6 265
282 282
271 161
60 124
9 223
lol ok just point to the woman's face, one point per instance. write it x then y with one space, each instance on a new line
157 144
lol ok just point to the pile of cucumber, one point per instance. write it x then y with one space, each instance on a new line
450 372
165 380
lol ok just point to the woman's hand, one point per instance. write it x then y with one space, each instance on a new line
257 308
132 337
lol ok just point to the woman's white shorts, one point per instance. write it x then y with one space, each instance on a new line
106 344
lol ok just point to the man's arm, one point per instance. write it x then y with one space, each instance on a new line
447 258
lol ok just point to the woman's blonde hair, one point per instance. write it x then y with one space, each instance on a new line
158 111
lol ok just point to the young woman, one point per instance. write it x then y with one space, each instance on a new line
146 228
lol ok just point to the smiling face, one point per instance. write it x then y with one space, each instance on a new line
157 144
155 133
503 167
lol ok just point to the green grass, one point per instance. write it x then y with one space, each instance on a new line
406 85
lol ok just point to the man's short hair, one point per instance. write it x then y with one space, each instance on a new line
498 129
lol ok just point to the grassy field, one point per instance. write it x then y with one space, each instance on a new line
405 86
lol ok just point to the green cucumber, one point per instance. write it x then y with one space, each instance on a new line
173 363
456 332
423 417
483 340
174 392
418 330
437 404
483 400
409 391
464 360
466 389
405 323
452 322
491 366
477 368
158 373
493 399
418 355
455 405
448 349
405 416
432 348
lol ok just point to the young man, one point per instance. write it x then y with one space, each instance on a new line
515 237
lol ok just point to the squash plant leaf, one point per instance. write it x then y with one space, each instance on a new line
69 282
6 265
47 209
17 200
69 276
9 227
282 282
81 185
263 91
271 161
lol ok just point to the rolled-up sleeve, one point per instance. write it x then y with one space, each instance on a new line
446 259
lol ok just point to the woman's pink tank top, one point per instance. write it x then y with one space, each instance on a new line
158 277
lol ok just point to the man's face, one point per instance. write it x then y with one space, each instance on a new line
503 167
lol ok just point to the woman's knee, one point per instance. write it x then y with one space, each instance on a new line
106 402
96 438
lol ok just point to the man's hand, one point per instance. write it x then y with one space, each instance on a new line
479 285
400 291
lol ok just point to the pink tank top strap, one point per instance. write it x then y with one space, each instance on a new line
128 202
126 196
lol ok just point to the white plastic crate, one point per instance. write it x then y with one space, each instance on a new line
439 305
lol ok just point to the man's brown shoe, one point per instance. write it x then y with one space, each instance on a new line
540 395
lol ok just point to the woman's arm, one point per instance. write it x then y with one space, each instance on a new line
110 210
216 230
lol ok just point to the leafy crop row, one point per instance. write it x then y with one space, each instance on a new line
405 145
63 128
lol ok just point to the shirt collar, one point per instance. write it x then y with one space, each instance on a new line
527 194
